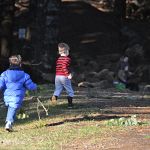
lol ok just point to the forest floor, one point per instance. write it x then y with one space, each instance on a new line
93 123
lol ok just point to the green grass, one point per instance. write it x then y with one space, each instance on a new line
62 129
35 135
147 136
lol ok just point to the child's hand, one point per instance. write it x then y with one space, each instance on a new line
70 76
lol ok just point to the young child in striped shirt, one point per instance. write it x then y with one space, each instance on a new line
63 75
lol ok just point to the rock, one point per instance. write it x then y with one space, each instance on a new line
85 84
105 74
135 50
135 54
102 84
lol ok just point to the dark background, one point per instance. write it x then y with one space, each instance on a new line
99 32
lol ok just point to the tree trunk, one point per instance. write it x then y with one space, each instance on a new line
47 28
4 47
7 10
120 9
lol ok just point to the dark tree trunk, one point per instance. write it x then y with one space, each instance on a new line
120 9
47 29
6 23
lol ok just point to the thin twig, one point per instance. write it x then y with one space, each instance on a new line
38 104
43 106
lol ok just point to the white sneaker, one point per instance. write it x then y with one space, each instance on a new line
8 126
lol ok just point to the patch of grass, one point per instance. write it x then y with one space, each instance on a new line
147 136
35 135
124 121
85 124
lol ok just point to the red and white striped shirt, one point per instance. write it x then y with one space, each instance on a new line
63 66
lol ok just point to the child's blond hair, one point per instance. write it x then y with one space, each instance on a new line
63 48
64 45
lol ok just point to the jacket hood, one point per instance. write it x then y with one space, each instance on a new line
15 75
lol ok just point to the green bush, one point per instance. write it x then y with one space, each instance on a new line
123 121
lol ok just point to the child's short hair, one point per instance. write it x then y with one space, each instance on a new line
15 60
64 45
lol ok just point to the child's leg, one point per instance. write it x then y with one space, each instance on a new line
69 91
58 90
68 87
58 86
11 114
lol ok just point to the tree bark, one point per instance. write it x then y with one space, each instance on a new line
47 28
7 10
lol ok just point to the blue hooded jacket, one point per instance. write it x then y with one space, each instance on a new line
14 82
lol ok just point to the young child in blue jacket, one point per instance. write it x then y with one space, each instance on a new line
14 82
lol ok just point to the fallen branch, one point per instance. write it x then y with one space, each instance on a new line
38 104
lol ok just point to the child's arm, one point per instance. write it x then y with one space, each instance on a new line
2 81
66 68
29 84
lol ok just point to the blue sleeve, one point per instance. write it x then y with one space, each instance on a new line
29 84
2 81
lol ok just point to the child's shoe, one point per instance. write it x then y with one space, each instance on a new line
54 100
8 126
70 104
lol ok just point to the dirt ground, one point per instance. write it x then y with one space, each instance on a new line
134 138
131 137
